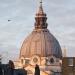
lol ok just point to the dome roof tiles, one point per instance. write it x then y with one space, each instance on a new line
41 42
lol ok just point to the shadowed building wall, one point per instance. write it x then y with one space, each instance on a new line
68 66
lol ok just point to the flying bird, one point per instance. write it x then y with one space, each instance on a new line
9 20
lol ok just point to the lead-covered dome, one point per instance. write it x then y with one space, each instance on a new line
40 42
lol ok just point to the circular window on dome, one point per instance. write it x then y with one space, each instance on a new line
35 60
51 60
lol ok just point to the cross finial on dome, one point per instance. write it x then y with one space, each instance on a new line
40 8
41 2
40 18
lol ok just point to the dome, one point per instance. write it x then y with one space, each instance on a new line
40 42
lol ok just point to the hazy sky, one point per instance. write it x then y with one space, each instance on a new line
61 23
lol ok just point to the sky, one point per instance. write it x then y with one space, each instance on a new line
61 23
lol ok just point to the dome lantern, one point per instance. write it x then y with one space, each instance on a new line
40 18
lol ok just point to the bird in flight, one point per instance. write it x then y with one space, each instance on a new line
9 20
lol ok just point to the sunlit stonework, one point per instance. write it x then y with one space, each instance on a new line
41 48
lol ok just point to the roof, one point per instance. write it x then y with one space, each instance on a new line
40 42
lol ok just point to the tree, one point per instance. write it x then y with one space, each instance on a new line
0 69
0 65
37 70
11 64
0 59
11 67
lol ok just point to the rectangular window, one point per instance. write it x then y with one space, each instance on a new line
70 62
71 73
56 73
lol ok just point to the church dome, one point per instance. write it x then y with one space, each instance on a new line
40 42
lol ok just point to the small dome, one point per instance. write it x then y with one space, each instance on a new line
40 42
